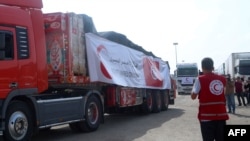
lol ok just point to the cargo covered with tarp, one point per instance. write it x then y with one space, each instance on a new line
78 54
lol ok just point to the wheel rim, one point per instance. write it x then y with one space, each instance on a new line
93 113
18 125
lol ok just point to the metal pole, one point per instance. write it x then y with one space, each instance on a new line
175 44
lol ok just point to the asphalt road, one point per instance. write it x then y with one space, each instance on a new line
179 123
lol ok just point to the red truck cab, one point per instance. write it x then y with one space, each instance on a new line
22 53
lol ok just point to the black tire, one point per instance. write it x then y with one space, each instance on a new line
165 100
19 122
147 105
92 116
156 101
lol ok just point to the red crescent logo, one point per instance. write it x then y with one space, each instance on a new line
104 71
100 48
216 87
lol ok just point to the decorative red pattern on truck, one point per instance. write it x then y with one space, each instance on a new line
65 48
55 56
127 97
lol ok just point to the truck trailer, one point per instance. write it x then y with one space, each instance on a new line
185 75
57 69
236 65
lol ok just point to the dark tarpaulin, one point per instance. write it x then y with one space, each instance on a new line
122 39
89 26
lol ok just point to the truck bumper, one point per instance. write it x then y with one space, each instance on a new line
185 90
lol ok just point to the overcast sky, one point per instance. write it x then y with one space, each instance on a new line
202 28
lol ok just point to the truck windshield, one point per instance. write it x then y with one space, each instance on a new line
187 72
244 70
244 67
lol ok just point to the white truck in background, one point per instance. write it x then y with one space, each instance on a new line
237 64
185 75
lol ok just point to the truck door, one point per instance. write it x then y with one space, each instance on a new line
8 61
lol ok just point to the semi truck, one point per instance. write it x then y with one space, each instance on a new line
185 75
236 65
57 69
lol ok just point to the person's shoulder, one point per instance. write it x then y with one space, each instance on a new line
200 77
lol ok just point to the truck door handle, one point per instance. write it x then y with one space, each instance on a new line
13 85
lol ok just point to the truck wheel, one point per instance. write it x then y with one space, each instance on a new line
92 115
19 122
147 105
165 101
156 102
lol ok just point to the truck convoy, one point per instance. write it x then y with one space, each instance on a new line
57 69
185 75
237 64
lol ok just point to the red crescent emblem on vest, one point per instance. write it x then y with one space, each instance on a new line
216 87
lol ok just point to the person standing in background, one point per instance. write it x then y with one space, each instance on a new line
173 86
209 88
247 90
229 93
239 91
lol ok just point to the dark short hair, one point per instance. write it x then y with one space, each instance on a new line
207 64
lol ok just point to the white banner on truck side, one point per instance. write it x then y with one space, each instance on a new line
114 63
